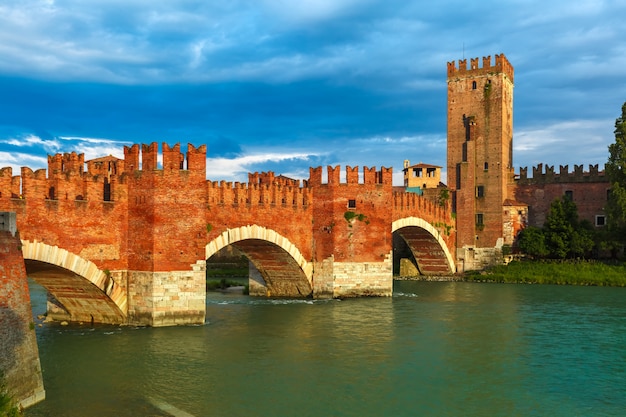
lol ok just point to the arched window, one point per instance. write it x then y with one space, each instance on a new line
473 85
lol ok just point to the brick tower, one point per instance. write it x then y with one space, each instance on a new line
480 148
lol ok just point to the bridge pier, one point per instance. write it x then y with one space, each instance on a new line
167 298
19 355
353 279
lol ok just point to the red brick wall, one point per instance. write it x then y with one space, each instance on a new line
162 219
364 238
590 199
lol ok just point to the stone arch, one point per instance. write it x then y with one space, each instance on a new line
244 238
432 235
53 255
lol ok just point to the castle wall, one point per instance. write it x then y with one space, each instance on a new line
67 208
588 189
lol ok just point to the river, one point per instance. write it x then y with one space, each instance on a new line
433 349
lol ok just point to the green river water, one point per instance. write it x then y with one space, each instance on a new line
433 349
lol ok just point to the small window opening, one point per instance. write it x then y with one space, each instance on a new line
106 190
486 166
351 204
473 85
480 191
569 194
479 219
51 194
600 220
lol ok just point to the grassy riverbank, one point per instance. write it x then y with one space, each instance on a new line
554 272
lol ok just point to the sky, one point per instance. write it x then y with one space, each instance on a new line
278 85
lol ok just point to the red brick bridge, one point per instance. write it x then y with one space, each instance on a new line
126 240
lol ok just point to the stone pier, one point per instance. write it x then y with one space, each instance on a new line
19 355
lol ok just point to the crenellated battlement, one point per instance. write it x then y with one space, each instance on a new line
370 176
271 178
67 179
65 164
546 174
501 65
405 201
145 158
257 194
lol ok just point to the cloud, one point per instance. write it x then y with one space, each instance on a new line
346 82
235 169
17 160
312 11
586 142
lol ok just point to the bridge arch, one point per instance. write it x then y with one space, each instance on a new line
427 245
108 291
280 263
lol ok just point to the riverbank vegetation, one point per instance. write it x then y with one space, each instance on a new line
228 268
8 407
224 284
567 272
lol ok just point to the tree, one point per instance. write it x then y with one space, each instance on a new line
564 234
616 172
532 242
558 228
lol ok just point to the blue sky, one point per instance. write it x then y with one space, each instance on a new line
283 85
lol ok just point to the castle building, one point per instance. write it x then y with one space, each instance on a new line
491 204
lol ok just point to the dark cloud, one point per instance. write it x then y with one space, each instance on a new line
342 81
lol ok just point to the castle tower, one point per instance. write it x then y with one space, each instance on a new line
480 148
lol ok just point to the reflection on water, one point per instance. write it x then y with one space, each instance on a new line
440 349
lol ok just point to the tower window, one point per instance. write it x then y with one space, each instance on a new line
480 191
486 166
569 194
479 219
352 204
473 85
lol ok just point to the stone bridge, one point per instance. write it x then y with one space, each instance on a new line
126 240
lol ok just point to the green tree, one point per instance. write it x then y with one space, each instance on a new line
616 172
558 229
532 242
565 235
582 242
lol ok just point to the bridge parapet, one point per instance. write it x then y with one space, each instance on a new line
255 194
407 205
404 201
